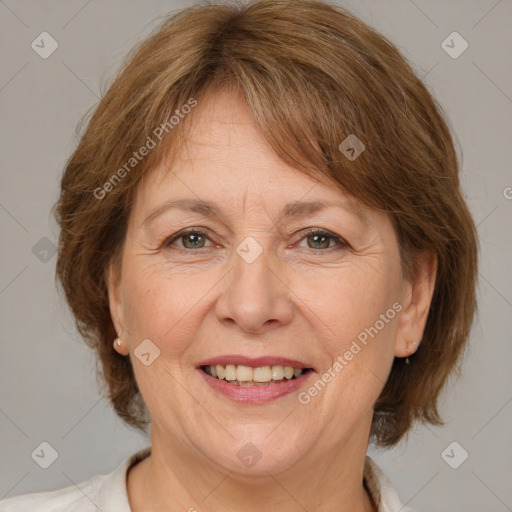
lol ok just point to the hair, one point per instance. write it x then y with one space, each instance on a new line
312 74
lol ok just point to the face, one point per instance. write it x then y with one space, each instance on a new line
253 277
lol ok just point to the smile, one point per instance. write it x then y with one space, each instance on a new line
277 382
241 375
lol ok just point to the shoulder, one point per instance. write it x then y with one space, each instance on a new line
72 499
100 492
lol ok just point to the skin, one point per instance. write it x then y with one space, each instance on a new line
301 298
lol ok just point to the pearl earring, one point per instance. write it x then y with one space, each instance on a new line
118 341
408 350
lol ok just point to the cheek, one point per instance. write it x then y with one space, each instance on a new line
355 323
162 303
355 316
348 303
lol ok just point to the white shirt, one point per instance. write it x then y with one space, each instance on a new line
108 493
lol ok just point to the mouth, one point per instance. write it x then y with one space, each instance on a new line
242 375
254 380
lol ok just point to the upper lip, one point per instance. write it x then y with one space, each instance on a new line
254 361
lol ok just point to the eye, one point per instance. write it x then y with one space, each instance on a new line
190 239
319 239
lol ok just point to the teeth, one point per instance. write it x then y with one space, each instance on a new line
262 374
278 372
247 376
243 374
230 372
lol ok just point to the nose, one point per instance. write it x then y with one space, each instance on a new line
255 297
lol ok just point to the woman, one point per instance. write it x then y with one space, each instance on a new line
264 239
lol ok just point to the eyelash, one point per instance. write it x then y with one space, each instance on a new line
342 244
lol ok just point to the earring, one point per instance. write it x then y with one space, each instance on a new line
408 350
118 341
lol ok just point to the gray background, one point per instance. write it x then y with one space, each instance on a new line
48 389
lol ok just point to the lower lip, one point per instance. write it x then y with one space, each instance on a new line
255 394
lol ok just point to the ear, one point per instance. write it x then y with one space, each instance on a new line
116 305
416 299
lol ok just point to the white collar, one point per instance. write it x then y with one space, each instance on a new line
381 490
379 486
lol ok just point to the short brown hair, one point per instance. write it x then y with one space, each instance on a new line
312 74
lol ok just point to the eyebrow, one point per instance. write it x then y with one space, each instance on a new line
290 210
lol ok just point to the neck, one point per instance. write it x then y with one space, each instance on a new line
174 478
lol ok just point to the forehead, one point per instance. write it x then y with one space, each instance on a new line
226 159
224 144
224 138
